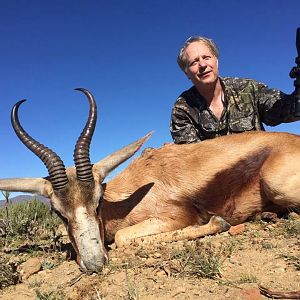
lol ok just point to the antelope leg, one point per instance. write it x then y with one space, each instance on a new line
156 230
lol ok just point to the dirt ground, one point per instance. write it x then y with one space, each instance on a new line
264 253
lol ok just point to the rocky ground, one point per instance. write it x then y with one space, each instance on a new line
225 266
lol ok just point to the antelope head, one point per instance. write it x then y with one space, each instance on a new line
75 193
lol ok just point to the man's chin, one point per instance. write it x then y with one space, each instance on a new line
208 80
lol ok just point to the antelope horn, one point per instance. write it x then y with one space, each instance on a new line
82 149
51 160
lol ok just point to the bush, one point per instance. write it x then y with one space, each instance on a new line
29 219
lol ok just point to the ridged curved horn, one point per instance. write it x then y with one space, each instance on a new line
51 160
82 149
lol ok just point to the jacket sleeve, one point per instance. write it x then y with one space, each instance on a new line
182 127
274 106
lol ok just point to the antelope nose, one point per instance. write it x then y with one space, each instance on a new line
93 265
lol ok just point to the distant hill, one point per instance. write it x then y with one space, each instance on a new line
22 198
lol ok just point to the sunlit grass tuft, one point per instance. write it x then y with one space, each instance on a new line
203 260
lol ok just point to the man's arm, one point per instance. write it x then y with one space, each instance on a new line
274 106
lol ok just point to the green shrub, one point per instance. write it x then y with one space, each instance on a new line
29 219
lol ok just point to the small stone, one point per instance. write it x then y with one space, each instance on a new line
161 273
238 229
114 259
30 267
249 294
233 261
294 216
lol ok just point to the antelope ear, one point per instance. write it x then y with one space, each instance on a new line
109 163
38 186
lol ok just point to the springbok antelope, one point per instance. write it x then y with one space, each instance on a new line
171 193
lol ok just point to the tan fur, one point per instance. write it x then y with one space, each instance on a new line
235 177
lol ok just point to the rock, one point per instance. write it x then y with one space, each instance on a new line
249 294
238 229
161 273
293 216
30 267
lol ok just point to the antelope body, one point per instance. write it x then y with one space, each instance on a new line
174 192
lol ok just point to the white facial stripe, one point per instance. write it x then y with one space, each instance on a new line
88 240
84 222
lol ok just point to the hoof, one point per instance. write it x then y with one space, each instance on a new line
120 239
220 222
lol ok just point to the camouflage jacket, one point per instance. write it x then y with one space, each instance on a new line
247 105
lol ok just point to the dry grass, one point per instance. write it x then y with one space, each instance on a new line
27 227
201 259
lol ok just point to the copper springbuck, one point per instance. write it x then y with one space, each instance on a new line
171 193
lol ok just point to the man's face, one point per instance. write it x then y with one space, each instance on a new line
202 65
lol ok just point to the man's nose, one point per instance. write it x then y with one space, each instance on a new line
202 64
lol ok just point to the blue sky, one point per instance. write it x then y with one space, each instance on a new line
124 52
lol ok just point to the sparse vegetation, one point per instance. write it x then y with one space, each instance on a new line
25 227
48 296
248 278
48 265
293 260
202 260
200 267
8 273
293 227
267 245
132 290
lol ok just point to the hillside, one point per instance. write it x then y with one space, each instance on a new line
22 198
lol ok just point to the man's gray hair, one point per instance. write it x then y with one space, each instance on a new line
181 60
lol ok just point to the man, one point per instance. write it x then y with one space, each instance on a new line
217 106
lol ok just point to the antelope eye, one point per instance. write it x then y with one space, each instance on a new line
99 205
65 220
